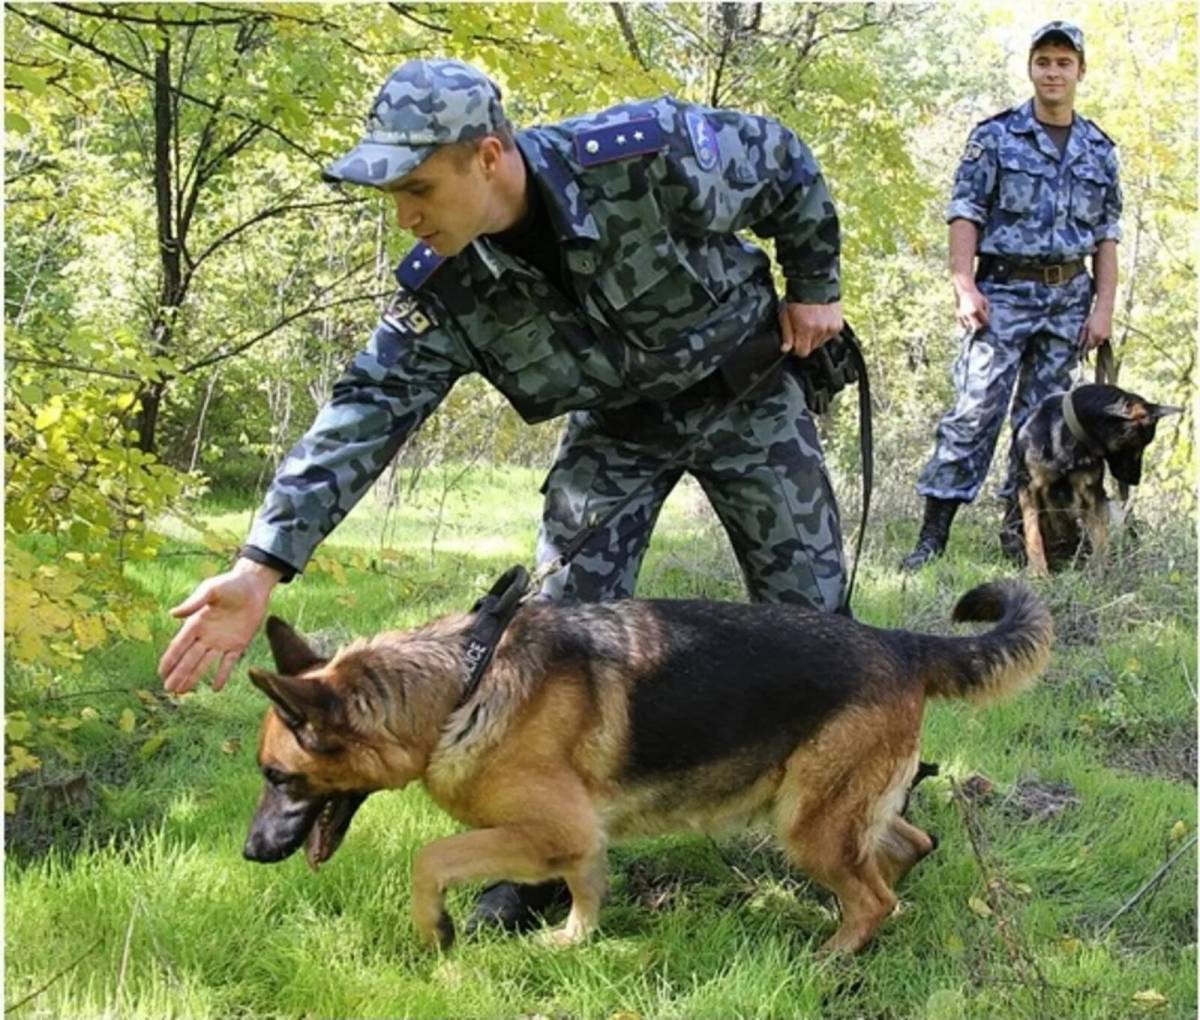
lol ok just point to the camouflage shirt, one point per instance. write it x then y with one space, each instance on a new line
645 199
1030 203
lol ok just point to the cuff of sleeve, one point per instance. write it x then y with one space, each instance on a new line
1109 233
257 555
818 291
961 209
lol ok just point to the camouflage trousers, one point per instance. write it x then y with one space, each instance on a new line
759 463
1031 343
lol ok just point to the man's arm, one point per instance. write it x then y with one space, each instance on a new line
1098 326
970 203
972 309
384 396
765 179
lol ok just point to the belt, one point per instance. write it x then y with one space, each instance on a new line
993 268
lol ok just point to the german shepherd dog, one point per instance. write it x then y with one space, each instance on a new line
610 720
1061 451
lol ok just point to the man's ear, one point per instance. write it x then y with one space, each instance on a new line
305 705
292 653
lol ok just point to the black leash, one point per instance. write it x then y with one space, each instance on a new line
495 610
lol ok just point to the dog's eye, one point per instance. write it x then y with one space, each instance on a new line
275 777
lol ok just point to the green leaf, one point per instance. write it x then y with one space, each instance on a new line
15 123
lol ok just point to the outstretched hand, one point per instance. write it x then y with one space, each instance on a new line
221 618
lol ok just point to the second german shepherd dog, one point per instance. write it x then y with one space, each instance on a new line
597 722
1061 451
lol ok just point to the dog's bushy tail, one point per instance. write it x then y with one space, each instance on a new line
999 663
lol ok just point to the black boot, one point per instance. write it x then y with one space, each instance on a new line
513 907
935 531
1012 531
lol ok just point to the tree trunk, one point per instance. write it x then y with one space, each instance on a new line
170 295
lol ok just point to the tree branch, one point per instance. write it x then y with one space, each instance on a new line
112 58
618 10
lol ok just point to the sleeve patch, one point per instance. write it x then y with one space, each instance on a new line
618 141
405 316
704 140
973 151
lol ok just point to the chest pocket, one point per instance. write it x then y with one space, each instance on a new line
655 294
1024 184
1087 192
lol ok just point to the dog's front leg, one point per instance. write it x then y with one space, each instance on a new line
1035 551
1095 520
527 853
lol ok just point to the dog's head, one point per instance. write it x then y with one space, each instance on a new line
337 731
1121 423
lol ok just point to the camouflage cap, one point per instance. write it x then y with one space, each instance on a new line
423 104
1072 33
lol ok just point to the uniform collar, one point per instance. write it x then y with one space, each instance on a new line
570 214
1023 122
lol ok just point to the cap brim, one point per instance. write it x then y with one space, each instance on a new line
375 165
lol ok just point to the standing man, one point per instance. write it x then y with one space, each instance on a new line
590 267
1036 193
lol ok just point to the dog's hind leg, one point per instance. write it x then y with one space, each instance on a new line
900 847
837 793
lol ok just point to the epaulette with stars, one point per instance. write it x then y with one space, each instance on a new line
637 137
418 266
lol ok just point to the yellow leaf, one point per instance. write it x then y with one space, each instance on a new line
1070 944
231 746
127 721
20 760
1178 831
1150 999
30 646
89 632
138 630
147 698
10 802
89 713
49 414
152 746
979 906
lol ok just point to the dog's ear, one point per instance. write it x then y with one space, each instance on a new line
292 653
310 708
1157 411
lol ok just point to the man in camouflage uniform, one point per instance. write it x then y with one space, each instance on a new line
1036 193
590 268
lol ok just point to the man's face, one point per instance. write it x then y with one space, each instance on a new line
1055 72
445 201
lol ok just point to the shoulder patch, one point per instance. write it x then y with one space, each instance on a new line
618 141
406 316
417 266
972 152
704 140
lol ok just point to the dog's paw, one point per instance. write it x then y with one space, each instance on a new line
560 938
439 935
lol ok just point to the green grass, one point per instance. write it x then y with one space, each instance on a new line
133 899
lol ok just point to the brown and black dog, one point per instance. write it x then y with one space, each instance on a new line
629 718
1061 451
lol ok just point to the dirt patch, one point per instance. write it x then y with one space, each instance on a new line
1171 755
1036 801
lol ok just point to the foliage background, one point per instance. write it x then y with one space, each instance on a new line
181 291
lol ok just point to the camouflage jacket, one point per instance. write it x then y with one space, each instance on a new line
645 199
1030 203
